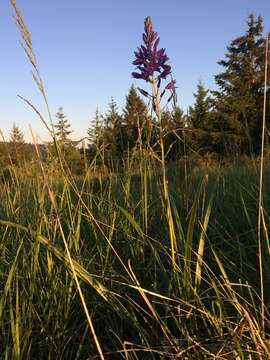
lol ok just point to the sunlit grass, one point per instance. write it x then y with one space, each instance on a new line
154 261
139 303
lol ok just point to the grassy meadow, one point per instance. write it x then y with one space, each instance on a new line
97 250
155 260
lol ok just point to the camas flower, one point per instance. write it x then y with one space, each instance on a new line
148 58
171 85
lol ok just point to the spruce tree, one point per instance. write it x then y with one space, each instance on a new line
94 131
73 158
136 123
95 135
62 128
112 132
199 112
239 99
179 134
17 144
173 124
199 116
16 135
112 118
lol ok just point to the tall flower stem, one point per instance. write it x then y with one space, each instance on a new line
261 219
169 216
152 66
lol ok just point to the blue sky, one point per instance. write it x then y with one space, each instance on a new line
85 51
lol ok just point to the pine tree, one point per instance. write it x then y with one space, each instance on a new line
202 106
17 144
240 97
95 135
173 124
62 129
73 158
199 116
112 119
136 123
94 131
112 133
179 134
16 135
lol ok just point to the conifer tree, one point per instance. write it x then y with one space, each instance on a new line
112 133
94 131
62 128
179 134
199 112
71 154
173 123
239 99
17 144
112 118
136 122
95 135
199 116
16 135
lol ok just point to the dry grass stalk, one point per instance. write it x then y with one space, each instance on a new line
261 187
28 48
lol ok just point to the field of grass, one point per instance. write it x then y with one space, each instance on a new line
88 271
155 261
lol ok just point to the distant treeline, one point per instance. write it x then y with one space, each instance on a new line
224 123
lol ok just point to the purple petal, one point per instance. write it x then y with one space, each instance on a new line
166 67
136 75
144 38
156 44
143 92
161 52
171 85
137 62
165 73
144 51
154 36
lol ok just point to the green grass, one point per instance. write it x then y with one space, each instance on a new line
155 262
115 229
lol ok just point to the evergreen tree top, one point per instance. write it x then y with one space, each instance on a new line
239 98
112 117
134 107
16 135
62 127
244 60
201 108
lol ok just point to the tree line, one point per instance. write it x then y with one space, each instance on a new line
226 122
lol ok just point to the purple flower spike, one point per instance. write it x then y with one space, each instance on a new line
166 71
148 59
172 88
171 85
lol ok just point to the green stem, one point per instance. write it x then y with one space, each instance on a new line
169 216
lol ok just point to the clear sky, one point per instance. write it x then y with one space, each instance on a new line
85 51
